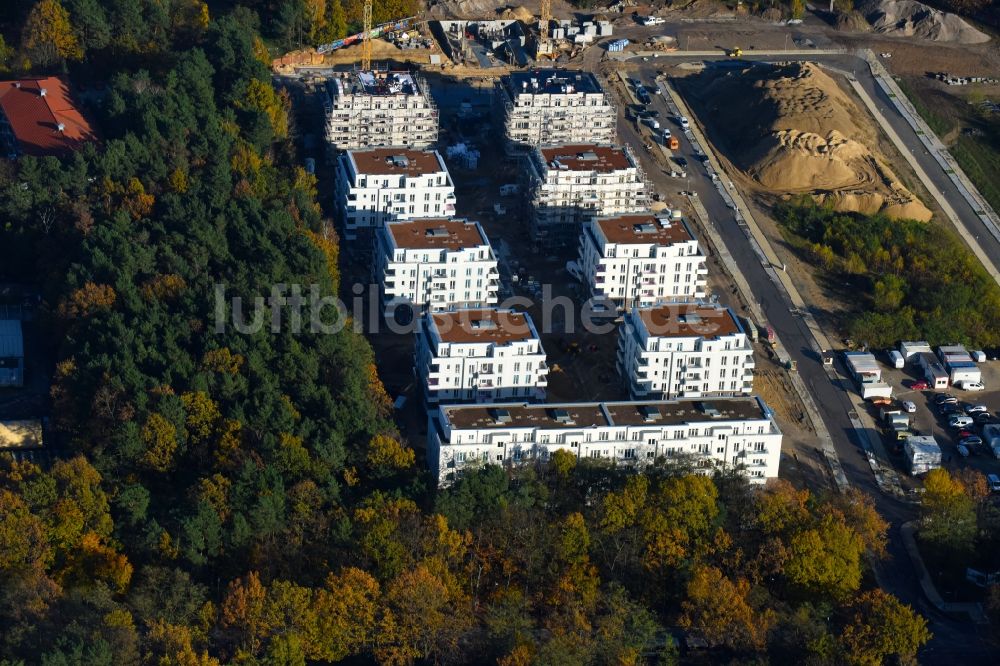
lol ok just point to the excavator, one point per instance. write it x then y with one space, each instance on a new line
736 52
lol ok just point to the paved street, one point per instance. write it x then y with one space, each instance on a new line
953 637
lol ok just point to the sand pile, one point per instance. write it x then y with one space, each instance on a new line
793 130
908 18
518 14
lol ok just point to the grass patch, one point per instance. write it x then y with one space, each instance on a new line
938 123
981 163
979 156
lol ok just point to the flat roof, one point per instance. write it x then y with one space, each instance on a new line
594 414
483 325
11 339
436 234
685 320
552 82
35 118
587 157
644 228
374 82
396 161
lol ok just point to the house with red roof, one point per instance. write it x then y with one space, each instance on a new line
38 117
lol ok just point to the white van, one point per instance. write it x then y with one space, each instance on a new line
994 482
896 360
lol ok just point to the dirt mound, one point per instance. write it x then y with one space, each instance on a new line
518 14
908 18
853 22
793 130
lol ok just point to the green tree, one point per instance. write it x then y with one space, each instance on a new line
949 514
881 627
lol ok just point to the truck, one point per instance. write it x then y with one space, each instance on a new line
673 143
751 329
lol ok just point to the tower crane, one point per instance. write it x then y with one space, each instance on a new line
366 44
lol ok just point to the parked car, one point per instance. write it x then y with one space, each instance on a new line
909 406
971 441
942 398
920 385
994 482
958 422
948 408
982 418
971 386
666 134
963 450
684 122
975 409
681 162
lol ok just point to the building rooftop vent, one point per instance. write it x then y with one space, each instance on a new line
60 127
562 416
709 410
649 413
501 416
42 92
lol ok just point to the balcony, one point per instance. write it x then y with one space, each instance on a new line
750 364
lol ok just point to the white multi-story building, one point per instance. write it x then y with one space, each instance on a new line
724 434
642 259
553 106
572 184
435 264
373 108
480 355
684 350
381 184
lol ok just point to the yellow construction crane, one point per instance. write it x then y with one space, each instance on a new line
544 17
366 38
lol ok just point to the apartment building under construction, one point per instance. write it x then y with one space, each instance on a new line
370 109
552 106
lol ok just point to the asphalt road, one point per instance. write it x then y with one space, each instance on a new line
953 639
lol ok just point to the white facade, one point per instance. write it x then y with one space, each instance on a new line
686 350
370 109
435 264
724 434
480 355
572 184
381 184
641 260
551 106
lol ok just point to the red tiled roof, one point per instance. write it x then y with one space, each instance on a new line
35 118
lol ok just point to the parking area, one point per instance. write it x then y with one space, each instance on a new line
928 419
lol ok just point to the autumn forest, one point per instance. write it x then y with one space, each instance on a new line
230 498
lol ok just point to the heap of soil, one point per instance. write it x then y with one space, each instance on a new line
852 21
908 18
518 14
793 130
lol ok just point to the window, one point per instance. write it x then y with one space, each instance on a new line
628 453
